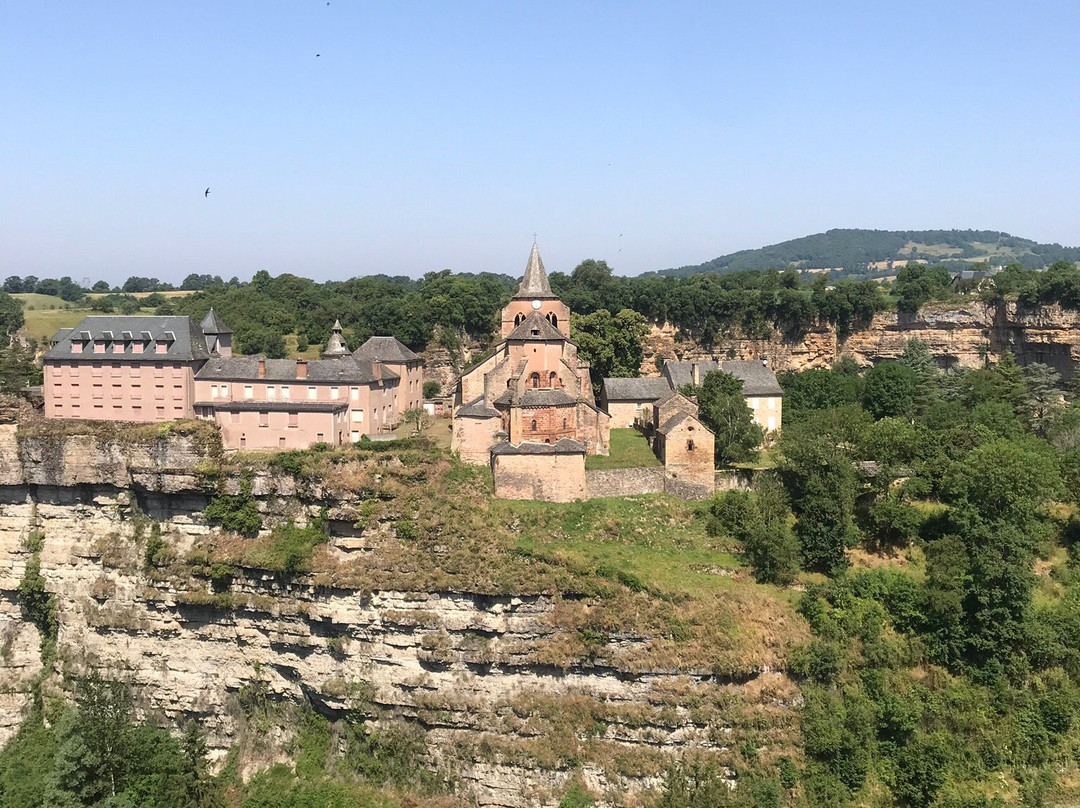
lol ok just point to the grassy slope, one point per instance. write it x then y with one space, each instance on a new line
629 449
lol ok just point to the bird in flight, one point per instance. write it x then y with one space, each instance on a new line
206 193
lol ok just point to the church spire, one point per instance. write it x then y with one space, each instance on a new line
534 284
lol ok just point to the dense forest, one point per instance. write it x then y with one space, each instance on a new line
850 250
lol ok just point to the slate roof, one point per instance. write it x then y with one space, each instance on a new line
187 343
59 335
477 409
346 369
213 324
534 284
648 390
385 349
682 373
561 446
335 346
757 379
536 327
673 422
537 397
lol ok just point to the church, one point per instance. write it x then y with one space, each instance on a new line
532 398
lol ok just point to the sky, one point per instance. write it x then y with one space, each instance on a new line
347 138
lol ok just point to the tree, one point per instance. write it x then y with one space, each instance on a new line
820 480
722 408
1044 397
432 388
889 390
612 345
760 522
13 284
11 315
417 417
917 284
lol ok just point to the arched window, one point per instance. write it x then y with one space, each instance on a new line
518 319
553 318
564 423
553 379
689 446
534 425
547 440
535 378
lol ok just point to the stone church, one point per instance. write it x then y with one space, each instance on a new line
532 399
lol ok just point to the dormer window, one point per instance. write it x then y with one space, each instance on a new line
76 346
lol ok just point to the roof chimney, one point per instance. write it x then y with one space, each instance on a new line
262 367
376 369
301 368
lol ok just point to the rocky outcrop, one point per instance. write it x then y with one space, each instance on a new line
504 713
957 336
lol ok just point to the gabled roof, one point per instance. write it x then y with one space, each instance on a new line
183 340
246 368
561 446
536 397
534 284
536 327
682 373
477 409
644 390
757 379
213 324
385 349
678 419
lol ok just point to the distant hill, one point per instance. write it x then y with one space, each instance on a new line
869 252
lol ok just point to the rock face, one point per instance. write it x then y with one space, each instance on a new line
503 722
956 336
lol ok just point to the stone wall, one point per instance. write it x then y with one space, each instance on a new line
624 482
540 477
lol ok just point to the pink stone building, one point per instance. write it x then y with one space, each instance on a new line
124 369
164 368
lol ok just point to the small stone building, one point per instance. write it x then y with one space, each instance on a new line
629 401
762 391
549 472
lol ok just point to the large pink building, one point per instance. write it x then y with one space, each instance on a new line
124 369
163 368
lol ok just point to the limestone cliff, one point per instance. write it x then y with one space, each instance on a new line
398 618
957 335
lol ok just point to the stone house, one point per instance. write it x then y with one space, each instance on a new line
551 472
762 391
629 401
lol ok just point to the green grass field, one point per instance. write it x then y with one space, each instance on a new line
629 450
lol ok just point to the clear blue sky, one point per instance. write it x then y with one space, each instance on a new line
442 135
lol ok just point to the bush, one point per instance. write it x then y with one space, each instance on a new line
234 512
432 389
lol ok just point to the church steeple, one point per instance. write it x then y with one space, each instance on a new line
534 285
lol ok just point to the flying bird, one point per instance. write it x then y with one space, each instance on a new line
206 193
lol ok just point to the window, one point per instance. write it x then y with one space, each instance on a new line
564 423
281 442
271 393
234 416
243 441
159 370
689 446
552 378
320 437
312 393
249 391
334 393
286 393
76 347
95 369
357 416
161 348
294 419
354 393
534 425
264 419
553 318
535 380
355 436
213 391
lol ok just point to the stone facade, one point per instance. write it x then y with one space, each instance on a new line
549 476
533 389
